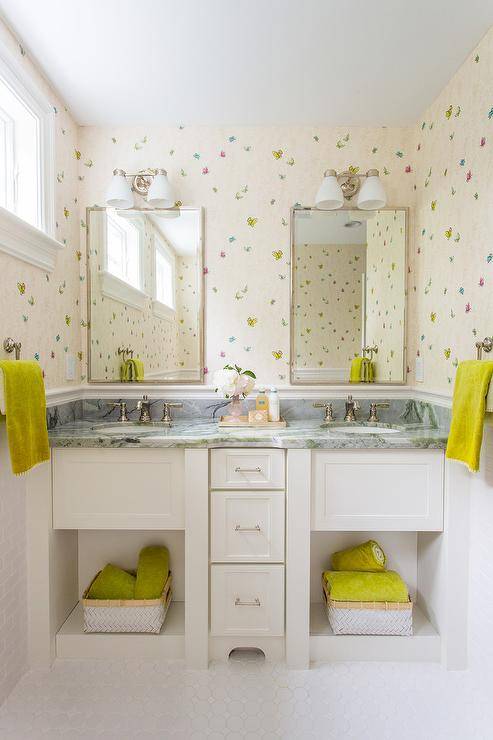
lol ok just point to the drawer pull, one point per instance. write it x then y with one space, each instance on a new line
248 470
239 602
239 528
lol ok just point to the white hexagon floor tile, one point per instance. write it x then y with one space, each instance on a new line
88 700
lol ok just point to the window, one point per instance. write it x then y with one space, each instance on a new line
20 164
123 250
122 273
164 280
26 168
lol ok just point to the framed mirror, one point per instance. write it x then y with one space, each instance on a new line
145 295
348 296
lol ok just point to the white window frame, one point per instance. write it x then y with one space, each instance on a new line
111 285
38 246
159 309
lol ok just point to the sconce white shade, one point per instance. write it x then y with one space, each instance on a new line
372 195
119 193
329 196
160 192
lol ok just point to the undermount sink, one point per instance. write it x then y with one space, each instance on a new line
129 427
366 430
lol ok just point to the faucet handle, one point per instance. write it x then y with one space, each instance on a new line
329 413
373 409
122 405
167 405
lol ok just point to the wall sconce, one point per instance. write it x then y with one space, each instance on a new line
337 187
153 184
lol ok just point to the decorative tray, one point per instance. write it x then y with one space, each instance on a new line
242 421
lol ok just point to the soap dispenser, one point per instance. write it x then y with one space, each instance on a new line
274 410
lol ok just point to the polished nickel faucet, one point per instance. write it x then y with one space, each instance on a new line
329 413
167 420
351 407
122 405
373 409
144 406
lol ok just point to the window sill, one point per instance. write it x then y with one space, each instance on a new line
162 311
26 242
119 290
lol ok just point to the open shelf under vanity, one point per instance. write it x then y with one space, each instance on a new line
422 645
73 642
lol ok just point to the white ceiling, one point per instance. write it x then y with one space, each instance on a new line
181 229
334 62
329 227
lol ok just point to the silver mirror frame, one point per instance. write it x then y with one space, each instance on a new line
292 378
201 296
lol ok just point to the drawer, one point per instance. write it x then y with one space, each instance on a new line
232 468
372 490
247 600
118 489
247 526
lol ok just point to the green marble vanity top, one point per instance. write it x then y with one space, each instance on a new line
206 433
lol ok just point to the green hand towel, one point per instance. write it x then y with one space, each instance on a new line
152 572
367 371
138 370
351 586
25 410
468 408
368 556
112 583
356 370
132 371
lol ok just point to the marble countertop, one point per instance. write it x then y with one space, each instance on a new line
306 433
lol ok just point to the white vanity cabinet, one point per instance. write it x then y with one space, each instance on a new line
249 531
382 490
120 488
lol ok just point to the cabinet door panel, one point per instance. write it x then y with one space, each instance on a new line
395 490
118 489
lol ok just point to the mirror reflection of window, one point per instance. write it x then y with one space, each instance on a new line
123 250
165 277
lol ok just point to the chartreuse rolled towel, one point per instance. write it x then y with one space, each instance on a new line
25 411
112 583
368 556
468 408
359 586
132 371
361 370
152 572
356 370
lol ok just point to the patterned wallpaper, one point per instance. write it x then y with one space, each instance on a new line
452 259
385 293
328 303
247 179
43 310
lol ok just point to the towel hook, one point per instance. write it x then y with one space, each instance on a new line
486 345
125 352
371 350
10 345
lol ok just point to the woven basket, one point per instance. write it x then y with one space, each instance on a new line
126 615
368 618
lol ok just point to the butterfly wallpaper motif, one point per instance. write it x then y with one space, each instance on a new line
254 176
247 179
451 280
